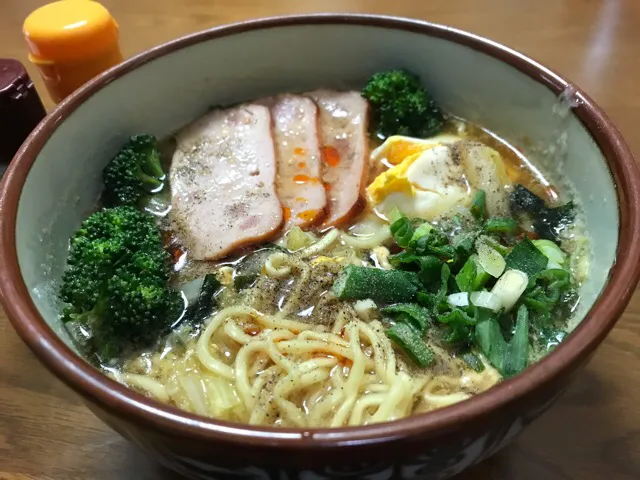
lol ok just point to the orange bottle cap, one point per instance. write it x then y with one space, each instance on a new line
69 30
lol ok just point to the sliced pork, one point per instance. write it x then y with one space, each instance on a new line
223 182
343 140
299 177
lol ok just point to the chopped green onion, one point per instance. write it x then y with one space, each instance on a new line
491 342
510 287
517 351
430 268
501 225
472 276
526 258
490 260
445 273
466 275
402 231
421 231
464 244
417 315
409 340
386 286
460 299
480 299
551 251
473 361
486 300
459 327
435 300
435 243
479 205
495 244
545 290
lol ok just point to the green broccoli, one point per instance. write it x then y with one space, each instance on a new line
116 282
401 105
134 173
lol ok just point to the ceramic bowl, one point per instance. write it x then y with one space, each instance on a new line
55 180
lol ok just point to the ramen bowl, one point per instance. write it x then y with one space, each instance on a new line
55 181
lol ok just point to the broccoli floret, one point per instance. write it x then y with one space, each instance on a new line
141 308
134 173
116 282
401 106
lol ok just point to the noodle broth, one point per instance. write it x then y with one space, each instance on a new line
281 349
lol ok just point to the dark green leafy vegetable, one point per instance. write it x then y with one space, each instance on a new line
526 258
400 105
418 316
410 341
506 226
134 173
386 286
241 282
552 221
479 205
523 200
547 222
205 303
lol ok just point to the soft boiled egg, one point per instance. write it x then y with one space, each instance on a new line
440 177
397 147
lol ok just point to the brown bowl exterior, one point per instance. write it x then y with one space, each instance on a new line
426 456
432 446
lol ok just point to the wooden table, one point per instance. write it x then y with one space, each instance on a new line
594 430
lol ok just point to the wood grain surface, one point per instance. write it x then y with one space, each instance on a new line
593 432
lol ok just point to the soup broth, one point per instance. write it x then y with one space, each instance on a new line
454 268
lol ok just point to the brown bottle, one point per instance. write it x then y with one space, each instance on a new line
20 109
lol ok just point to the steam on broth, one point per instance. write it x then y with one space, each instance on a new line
323 260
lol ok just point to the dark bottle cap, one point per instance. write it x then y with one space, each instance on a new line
20 109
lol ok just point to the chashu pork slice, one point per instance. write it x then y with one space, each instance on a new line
343 142
299 178
223 182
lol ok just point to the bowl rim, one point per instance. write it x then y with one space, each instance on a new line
124 402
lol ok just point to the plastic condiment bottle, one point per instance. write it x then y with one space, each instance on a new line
20 109
71 41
